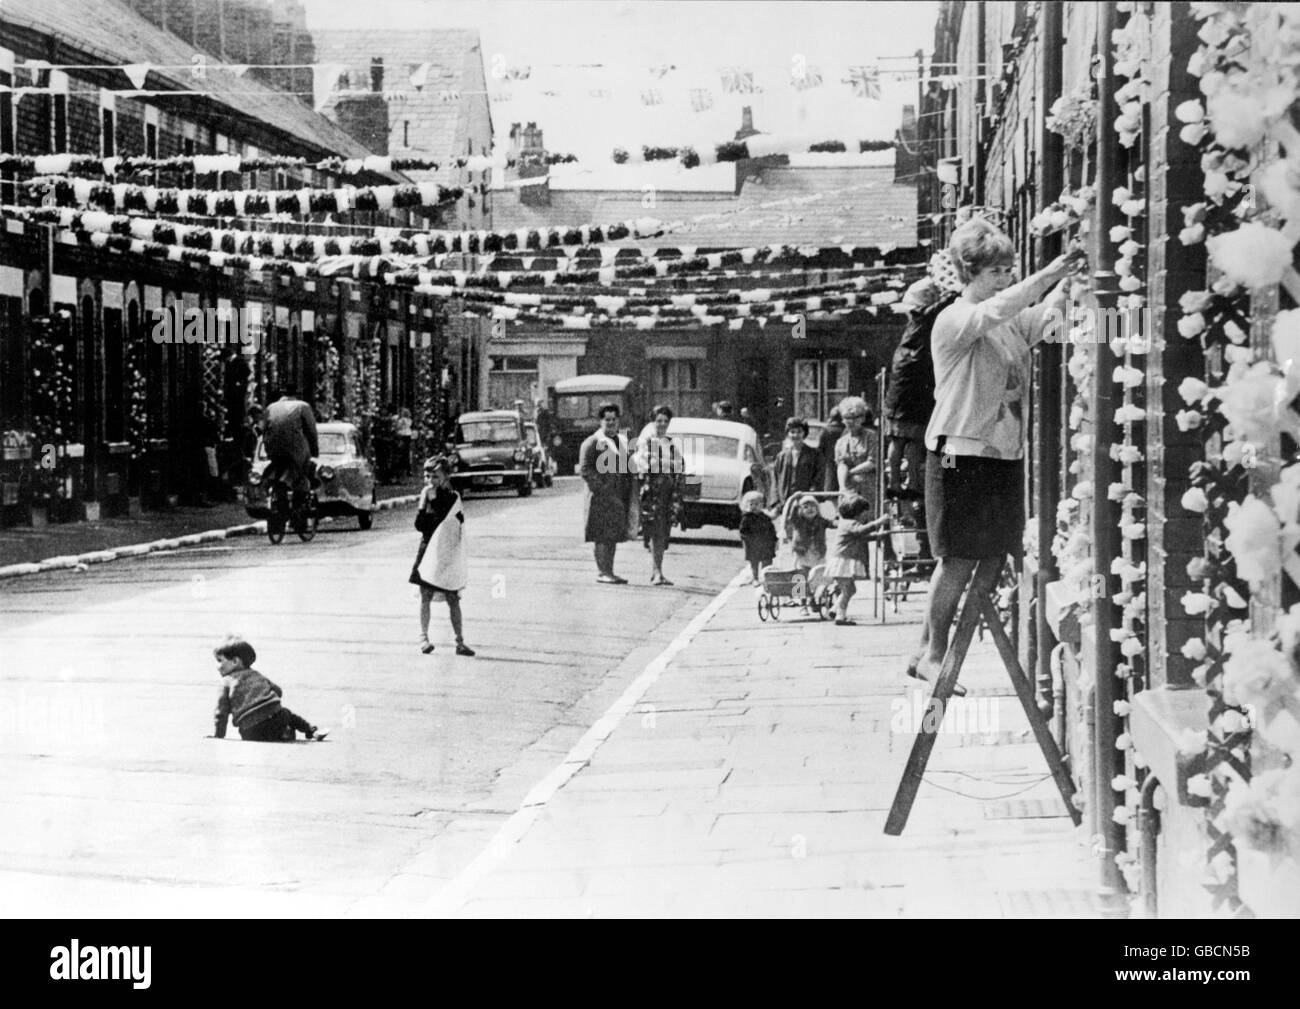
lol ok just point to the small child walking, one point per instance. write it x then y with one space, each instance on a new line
253 701
850 558
805 529
757 533
441 568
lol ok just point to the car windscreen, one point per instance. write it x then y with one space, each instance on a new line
712 445
582 406
486 432
332 443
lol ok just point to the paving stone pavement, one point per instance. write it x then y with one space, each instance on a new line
753 778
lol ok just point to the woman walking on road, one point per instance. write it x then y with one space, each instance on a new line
441 567
659 467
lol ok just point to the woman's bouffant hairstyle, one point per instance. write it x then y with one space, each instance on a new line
977 245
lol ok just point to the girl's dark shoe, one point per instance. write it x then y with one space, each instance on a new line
464 649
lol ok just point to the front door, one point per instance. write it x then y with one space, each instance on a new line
819 386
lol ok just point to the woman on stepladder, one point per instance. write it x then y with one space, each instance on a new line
441 568
975 438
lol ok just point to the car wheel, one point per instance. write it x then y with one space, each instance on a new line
365 519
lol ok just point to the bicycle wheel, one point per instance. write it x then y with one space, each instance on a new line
276 520
306 521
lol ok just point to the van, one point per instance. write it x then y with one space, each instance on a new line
574 402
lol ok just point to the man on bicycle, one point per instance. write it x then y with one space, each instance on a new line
290 441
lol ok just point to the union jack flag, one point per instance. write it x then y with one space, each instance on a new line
652 96
865 82
701 99
738 82
811 77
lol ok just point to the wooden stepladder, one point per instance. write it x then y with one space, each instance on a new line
973 609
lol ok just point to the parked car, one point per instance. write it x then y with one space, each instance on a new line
543 467
347 478
492 452
724 461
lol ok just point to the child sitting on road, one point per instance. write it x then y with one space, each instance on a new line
805 529
252 700
757 533
850 557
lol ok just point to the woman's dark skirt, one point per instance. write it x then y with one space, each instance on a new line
974 507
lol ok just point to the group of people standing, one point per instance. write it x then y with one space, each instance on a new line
632 491
845 463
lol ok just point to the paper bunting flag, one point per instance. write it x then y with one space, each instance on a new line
136 73
420 76
865 82
701 99
652 96
804 78
737 82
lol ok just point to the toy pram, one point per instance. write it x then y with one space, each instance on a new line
790 586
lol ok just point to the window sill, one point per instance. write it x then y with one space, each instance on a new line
1157 722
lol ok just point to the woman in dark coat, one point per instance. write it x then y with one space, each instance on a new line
604 466
660 467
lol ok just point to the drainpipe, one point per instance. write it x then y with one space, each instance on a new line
1106 540
1047 362
1149 825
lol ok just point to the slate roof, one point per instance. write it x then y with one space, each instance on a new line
109 32
456 65
860 206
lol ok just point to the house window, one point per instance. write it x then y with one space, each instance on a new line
514 364
679 386
59 126
108 133
151 140
7 133
819 386
511 378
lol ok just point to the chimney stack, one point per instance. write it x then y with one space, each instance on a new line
746 124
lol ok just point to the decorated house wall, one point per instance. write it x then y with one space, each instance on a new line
1172 676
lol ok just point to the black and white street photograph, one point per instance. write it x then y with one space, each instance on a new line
651 459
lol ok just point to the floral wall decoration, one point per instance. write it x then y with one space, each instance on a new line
137 397
52 392
1129 344
327 372
1072 544
1074 116
1247 65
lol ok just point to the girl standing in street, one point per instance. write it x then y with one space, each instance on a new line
659 467
757 533
849 558
441 567
805 530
